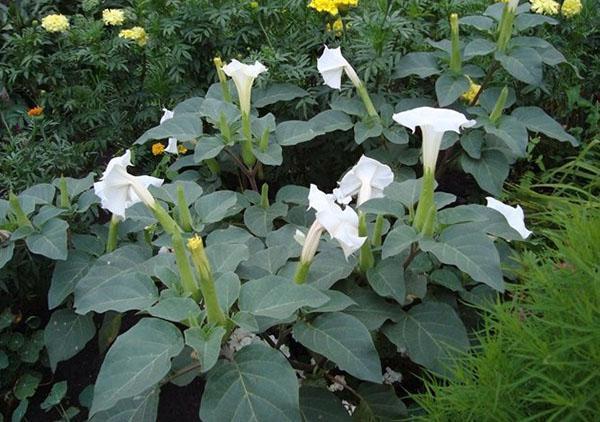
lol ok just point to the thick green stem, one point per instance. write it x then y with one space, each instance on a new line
185 269
183 212
366 99
366 259
425 215
264 196
214 313
377 231
455 60
64 193
247 153
15 206
499 106
222 79
505 28
113 231
301 272
188 282
213 166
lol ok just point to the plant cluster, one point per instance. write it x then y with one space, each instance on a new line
278 299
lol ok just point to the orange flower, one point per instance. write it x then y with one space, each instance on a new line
35 111
158 148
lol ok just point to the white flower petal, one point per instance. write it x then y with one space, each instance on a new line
243 76
167 115
440 119
434 122
118 190
172 146
299 237
331 65
367 178
514 216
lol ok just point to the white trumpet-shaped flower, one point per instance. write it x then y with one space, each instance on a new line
243 76
512 5
514 216
341 224
367 179
434 122
172 146
118 190
332 64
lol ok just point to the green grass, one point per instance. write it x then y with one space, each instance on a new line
538 353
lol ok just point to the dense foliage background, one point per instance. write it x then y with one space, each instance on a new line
99 92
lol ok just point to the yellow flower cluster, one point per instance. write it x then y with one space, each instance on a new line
55 23
113 17
158 148
137 34
331 6
571 8
546 7
469 96
181 149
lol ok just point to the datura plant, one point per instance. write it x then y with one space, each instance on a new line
271 297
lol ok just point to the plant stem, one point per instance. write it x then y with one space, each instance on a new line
426 205
366 259
113 231
301 272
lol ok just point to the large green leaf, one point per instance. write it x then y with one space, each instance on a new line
318 404
278 297
490 171
228 287
330 121
138 360
51 241
537 120
471 251
207 344
262 97
482 23
512 132
215 206
380 403
258 385
327 268
420 64
294 132
431 333
225 257
371 309
398 240
523 63
344 340
448 87
207 147
175 309
116 282
141 408
67 334
529 20
478 47
66 275
6 253
259 220
387 279
183 127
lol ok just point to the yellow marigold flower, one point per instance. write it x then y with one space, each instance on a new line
546 7
181 149
55 23
158 148
137 34
337 26
571 8
346 3
35 111
469 96
328 6
113 17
